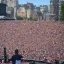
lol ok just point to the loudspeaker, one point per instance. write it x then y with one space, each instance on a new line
2 9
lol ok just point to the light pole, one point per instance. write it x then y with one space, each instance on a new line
15 9
5 55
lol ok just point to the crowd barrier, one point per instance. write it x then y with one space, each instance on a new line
26 61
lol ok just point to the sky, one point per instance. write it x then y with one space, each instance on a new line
35 2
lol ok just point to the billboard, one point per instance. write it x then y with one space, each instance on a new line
2 9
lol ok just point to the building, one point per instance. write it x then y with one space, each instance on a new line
42 9
54 10
34 15
26 10
48 8
45 8
30 9
21 11
52 15
29 5
48 14
11 8
28 13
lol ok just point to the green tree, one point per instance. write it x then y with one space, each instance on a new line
19 18
31 18
39 14
62 12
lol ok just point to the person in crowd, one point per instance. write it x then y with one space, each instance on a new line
56 61
62 62
16 58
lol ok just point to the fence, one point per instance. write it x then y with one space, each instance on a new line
26 61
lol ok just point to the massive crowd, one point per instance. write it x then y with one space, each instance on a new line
35 40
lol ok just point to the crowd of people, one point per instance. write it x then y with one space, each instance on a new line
35 40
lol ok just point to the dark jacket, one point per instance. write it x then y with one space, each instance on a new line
14 58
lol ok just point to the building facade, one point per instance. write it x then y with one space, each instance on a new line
54 10
28 13
26 10
11 8
42 9
21 11
30 9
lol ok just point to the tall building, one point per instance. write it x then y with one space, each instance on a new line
28 13
42 8
54 10
51 10
29 5
30 9
11 8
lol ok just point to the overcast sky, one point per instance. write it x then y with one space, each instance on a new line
35 2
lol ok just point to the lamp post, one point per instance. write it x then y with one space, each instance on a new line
15 12
15 6
5 55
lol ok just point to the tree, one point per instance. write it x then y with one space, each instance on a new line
19 18
62 12
39 14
